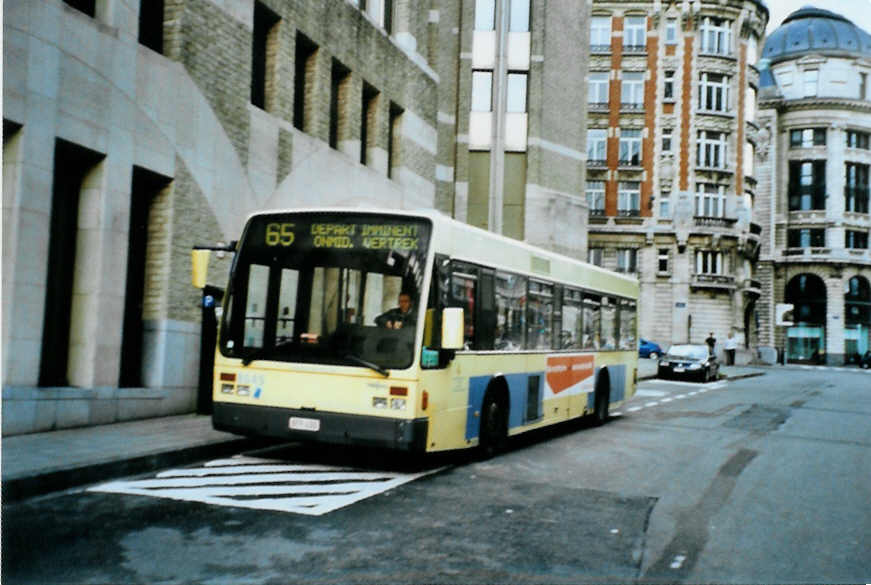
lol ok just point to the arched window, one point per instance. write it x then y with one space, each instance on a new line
806 340
857 318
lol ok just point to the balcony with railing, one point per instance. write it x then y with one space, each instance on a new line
715 222
600 49
713 281
597 163
632 107
634 49
751 287
597 107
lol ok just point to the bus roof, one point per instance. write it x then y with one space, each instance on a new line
462 241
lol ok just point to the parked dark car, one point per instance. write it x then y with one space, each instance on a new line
689 361
865 362
648 349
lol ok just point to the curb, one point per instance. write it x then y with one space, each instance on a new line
17 489
725 377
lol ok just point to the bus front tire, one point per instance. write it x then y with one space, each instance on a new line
493 433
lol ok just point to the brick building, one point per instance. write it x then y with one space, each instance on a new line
134 130
813 164
670 181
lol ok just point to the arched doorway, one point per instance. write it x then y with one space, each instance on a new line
857 318
806 340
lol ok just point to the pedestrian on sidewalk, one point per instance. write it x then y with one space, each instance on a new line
711 341
730 346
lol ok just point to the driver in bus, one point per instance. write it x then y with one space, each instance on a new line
399 316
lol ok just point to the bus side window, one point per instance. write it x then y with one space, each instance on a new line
486 317
540 324
571 334
510 311
463 294
627 325
609 323
592 322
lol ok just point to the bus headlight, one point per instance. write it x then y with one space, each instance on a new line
226 388
397 403
379 402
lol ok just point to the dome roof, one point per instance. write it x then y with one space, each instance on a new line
814 30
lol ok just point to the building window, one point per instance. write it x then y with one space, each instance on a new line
667 134
807 185
263 51
630 147
394 132
516 98
368 121
634 34
665 205
594 256
856 139
151 24
856 240
596 197
713 92
807 137
856 188
810 80
600 34
671 31
597 140
381 11
863 86
629 198
709 262
89 7
711 149
662 260
626 260
340 78
806 238
519 16
305 57
485 14
482 91
710 200
716 36
632 90
668 86
597 90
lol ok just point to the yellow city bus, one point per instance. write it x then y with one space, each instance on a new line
317 341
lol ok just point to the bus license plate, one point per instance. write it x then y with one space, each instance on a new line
305 424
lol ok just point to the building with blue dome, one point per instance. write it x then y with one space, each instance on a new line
813 154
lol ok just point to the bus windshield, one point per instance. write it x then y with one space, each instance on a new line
327 288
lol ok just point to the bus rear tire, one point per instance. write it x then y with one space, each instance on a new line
493 434
603 398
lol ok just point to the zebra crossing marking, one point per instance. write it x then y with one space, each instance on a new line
265 484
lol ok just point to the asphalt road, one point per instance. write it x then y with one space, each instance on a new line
758 480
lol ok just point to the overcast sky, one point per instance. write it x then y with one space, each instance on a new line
856 11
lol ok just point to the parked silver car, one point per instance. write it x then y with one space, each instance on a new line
689 361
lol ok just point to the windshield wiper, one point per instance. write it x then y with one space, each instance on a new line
360 361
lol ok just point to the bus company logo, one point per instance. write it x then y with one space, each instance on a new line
564 372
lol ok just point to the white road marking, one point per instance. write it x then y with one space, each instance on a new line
634 409
666 400
677 563
263 484
679 396
649 404
651 393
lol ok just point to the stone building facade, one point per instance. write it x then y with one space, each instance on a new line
135 130
670 182
813 168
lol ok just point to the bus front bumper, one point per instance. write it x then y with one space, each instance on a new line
332 427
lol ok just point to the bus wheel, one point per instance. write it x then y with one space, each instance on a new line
493 433
603 398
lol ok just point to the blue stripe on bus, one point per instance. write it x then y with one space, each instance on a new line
518 386
617 375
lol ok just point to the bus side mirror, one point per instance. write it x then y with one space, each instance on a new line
452 328
199 267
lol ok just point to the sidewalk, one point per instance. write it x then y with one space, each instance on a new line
40 463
